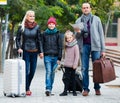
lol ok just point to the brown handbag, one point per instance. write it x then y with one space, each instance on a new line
103 70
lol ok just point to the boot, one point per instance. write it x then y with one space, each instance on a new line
74 94
63 94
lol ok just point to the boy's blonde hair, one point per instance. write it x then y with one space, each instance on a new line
24 19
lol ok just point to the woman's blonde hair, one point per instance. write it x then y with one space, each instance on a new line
24 19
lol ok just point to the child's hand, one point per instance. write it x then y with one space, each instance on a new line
74 67
41 55
58 62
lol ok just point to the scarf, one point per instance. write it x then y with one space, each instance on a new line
85 19
51 31
71 44
29 24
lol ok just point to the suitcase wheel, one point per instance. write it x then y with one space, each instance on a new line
13 95
69 91
24 95
4 94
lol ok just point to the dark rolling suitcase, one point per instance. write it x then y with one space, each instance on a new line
78 79
103 70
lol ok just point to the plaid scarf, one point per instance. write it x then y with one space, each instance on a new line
29 24
85 19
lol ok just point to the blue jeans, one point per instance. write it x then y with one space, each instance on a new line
85 55
50 64
30 62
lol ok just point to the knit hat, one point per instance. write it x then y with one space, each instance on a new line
52 20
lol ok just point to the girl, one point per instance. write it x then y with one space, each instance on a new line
71 60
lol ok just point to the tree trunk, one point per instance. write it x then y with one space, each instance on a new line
107 24
9 52
0 48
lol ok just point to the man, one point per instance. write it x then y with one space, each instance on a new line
91 42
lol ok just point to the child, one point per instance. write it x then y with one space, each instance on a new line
71 61
52 48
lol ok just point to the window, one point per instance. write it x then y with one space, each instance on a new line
112 30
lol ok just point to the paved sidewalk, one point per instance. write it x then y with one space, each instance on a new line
109 94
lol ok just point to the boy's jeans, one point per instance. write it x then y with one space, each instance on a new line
85 55
50 62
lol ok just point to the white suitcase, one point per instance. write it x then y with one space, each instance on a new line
14 78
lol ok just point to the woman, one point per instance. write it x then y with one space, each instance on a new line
28 41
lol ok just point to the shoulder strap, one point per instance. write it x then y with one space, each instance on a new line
81 19
92 19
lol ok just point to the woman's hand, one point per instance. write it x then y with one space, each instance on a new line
20 50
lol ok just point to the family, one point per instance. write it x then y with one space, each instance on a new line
78 46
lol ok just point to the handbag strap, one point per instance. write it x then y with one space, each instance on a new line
103 60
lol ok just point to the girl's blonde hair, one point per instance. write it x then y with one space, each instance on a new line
24 19
68 32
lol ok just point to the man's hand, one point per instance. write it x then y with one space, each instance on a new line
77 30
103 54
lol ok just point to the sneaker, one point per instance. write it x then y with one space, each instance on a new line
85 93
47 93
74 94
97 92
63 94
52 94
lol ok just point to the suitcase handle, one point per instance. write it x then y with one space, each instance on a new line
20 55
103 60
62 68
